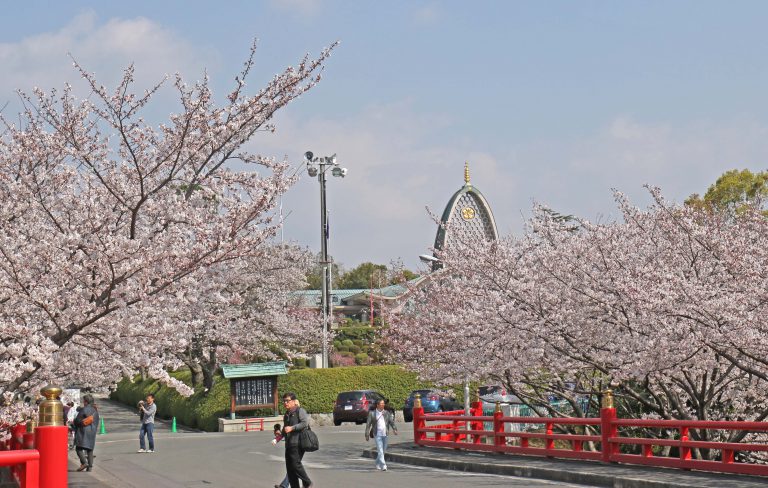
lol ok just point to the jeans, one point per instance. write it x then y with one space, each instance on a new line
381 446
285 483
149 429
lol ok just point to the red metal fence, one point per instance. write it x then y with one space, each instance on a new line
457 431
254 424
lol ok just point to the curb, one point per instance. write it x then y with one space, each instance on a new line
619 478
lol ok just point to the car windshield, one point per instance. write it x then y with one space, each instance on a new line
350 396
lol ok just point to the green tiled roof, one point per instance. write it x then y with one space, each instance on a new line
254 369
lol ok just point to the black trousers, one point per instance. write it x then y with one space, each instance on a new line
293 456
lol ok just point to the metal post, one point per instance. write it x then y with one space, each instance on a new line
324 263
467 410
325 322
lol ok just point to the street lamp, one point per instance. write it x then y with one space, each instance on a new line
317 166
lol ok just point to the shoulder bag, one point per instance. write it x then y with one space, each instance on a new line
308 440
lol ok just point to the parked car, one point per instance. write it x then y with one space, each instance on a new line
490 394
432 401
353 406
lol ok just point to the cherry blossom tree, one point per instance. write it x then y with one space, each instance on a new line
112 227
667 306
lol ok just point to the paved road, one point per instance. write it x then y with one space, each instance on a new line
194 459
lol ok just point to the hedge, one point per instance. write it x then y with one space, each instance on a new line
316 389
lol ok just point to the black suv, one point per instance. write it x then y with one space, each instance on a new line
353 406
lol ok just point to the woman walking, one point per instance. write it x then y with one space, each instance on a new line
86 422
377 426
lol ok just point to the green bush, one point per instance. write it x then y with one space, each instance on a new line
354 349
362 358
343 348
316 389
357 342
347 354
347 342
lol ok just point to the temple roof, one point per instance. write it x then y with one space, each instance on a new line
467 216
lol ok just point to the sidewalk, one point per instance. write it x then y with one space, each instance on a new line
567 471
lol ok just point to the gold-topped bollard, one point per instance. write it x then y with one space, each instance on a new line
51 410
498 407
607 399
417 401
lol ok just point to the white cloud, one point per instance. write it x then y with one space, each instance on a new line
102 47
377 211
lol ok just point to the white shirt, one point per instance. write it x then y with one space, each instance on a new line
381 424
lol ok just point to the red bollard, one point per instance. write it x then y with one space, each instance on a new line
51 439
17 436
477 411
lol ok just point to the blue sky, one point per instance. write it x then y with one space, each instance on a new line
556 102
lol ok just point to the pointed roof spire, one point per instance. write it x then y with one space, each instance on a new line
466 173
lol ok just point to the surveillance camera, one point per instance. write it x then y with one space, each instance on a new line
428 259
343 172
312 171
308 155
333 160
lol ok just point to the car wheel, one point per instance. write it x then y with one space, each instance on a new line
359 422
336 422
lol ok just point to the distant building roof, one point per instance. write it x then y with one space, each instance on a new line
311 298
254 369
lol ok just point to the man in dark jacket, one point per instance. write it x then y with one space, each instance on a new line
295 420
86 422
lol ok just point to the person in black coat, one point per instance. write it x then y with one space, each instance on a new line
86 422
294 421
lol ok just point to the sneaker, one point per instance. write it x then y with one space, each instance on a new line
141 450
150 450
384 468
378 467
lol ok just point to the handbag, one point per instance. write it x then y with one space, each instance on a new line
87 421
308 440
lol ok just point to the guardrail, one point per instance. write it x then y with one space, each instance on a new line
604 444
251 424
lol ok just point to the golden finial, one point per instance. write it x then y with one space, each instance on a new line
608 399
466 173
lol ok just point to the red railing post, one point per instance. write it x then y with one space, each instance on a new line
549 442
418 421
51 440
607 427
498 428
685 452
477 411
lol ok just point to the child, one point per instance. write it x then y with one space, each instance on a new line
278 437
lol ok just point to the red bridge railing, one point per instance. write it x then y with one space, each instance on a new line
457 431
39 458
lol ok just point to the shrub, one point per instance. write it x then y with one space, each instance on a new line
343 348
347 342
316 388
357 342
354 349
362 359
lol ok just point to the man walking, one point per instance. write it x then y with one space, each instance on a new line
377 426
147 415
295 420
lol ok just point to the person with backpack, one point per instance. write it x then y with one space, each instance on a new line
86 422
